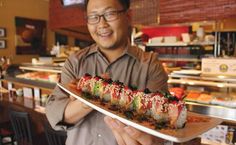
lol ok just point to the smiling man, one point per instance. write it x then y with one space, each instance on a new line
108 23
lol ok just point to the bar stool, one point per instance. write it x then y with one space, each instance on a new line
6 132
21 124
54 137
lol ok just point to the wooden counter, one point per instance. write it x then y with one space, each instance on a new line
8 103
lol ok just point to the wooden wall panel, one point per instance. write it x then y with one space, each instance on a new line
144 12
64 17
68 20
182 11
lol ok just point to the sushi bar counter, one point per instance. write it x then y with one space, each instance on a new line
211 96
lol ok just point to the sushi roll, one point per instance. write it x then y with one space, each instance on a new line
88 85
115 92
97 86
104 90
84 84
159 110
140 102
177 113
147 101
126 97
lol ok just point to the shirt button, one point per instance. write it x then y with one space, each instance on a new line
99 135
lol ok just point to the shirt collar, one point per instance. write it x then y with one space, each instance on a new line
92 49
132 51
129 50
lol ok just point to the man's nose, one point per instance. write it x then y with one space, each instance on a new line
103 20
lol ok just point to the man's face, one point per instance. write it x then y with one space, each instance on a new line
112 34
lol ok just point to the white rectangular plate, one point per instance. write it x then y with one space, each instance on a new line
190 131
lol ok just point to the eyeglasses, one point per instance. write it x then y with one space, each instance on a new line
108 17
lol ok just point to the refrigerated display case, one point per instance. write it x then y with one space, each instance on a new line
210 95
31 81
44 76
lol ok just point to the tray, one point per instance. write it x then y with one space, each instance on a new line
191 130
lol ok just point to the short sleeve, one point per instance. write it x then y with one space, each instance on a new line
157 77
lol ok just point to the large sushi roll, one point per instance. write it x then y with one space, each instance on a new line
177 113
159 110
115 93
155 106
84 84
126 97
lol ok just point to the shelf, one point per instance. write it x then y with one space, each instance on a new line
205 78
36 83
167 44
180 59
42 69
201 43
202 83
180 44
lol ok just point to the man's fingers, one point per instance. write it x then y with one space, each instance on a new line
118 130
142 138
118 137
112 125
72 98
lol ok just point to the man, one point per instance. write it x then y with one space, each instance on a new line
108 23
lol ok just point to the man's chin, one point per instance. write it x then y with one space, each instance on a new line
107 47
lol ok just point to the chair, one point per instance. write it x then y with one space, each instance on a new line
6 132
54 137
21 124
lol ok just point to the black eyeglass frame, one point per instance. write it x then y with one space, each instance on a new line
117 12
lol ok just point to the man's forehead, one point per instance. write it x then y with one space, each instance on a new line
102 5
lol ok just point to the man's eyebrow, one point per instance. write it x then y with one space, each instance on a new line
107 8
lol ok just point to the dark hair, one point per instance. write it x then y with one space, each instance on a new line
124 3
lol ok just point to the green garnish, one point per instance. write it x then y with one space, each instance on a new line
129 114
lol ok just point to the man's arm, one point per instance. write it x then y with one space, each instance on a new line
75 111
62 109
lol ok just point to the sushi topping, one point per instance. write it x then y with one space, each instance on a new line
160 109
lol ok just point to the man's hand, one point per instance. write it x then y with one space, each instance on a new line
126 135
75 111
72 98
82 104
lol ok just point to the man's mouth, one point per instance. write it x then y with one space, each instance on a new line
105 34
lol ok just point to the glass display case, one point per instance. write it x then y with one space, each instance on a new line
45 76
30 81
210 95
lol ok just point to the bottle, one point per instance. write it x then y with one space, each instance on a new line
229 136
58 49
1 72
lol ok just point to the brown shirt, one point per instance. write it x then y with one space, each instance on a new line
134 67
